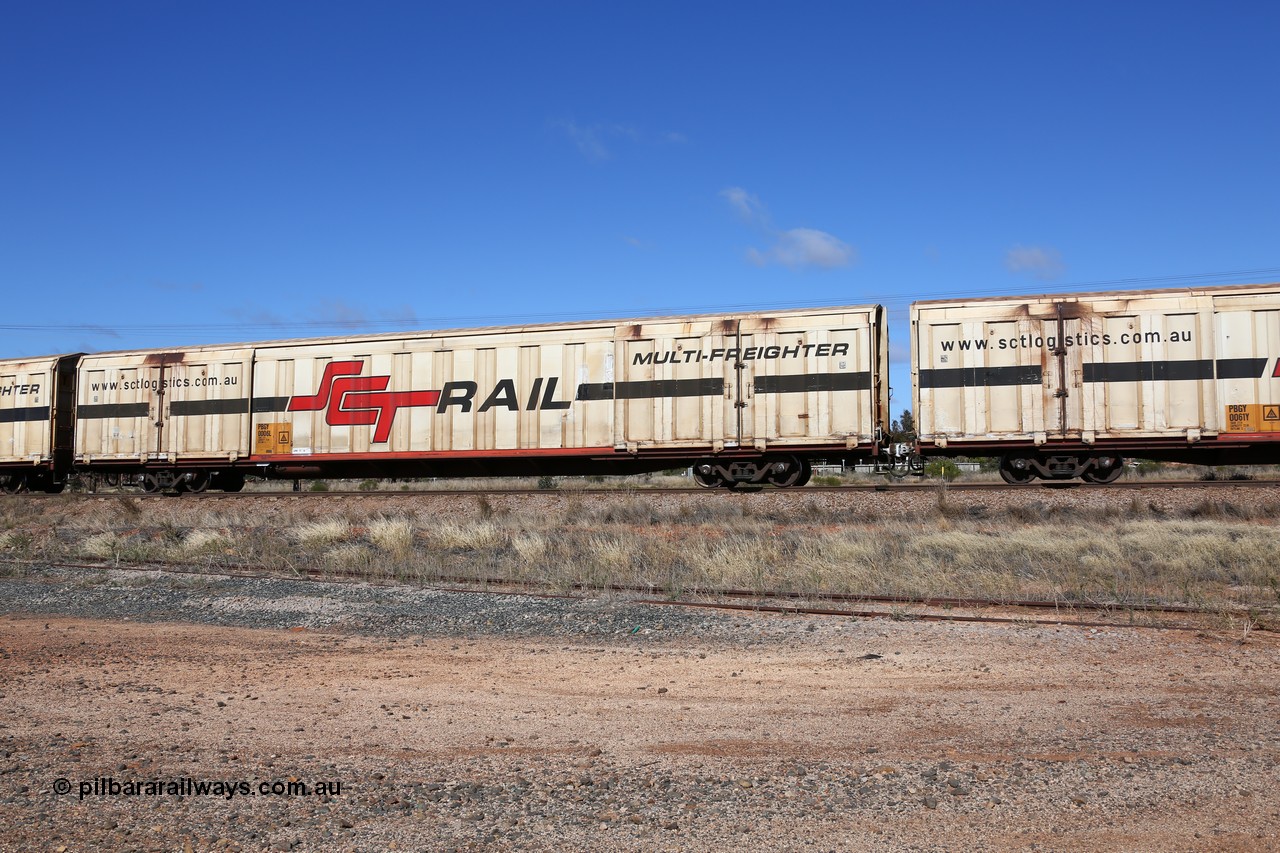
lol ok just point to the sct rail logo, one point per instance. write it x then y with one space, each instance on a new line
353 400
349 399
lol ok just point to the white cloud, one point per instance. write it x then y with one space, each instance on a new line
803 247
794 248
1040 262
587 139
746 205
596 142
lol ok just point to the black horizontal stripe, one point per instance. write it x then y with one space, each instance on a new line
113 410
270 404
24 414
235 406
1148 371
1241 368
980 377
648 388
801 382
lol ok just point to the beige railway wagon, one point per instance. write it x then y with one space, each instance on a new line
1068 385
751 397
32 393
179 417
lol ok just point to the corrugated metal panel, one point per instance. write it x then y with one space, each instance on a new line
698 382
1248 346
162 405
1094 367
26 400
786 379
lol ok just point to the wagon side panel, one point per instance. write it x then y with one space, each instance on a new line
814 379
1248 367
27 390
1173 373
116 409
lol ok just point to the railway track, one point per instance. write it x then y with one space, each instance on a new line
903 488
1081 614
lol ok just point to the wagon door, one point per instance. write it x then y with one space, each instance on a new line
812 380
119 411
675 385
739 380
1063 373
1248 373
204 408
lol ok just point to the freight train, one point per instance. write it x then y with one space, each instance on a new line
1056 387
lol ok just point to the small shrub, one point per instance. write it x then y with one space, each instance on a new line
368 486
944 468
16 541
318 486
1147 467
104 546
548 483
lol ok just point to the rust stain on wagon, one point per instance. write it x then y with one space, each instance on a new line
157 359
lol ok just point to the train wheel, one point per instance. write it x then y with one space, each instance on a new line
1104 475
198 483
705 476
151 484
1014 473
12 484
788 472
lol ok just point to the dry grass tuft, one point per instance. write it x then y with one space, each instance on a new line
393 536
104 546
468 536
318 533
351 557
204 542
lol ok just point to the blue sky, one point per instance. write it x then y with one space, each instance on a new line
176 173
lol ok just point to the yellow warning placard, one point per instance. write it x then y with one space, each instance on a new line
273 438
1253 417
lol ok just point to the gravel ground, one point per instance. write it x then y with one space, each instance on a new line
485 722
